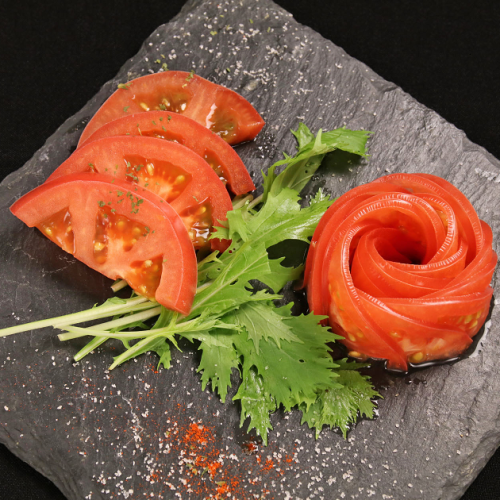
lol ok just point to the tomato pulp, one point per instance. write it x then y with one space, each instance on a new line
119 231
217 108
402 267
172 171
183 130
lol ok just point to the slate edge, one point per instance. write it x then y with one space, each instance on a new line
465 474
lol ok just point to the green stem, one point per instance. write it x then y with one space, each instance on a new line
118 285
99 312
92 345
238 203
202 287
141 316
255 202
168 331
75 332
209 258
134 349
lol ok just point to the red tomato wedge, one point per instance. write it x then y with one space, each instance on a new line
402 267
172 171
120 232
217 108
178 128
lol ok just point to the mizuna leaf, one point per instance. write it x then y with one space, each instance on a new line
292 373
217 361
301 167
340 405
256 403
261 321
280 275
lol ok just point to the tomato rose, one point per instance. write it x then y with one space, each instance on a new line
402 268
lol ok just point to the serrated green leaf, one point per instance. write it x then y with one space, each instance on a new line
301 167
229 298
293 373
303 135
205 265
280 275
237 224
350 141
211 270
282 218
163 350
256 403
340 405
261 322
217 361
308 328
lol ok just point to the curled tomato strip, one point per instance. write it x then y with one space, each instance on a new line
402 268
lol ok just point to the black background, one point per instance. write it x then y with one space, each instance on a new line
56 55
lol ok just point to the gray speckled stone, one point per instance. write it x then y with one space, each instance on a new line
101 435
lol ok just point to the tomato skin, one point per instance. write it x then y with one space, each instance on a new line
109 156
85 196
402 267
187 132
213 106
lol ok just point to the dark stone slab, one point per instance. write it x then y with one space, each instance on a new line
101 435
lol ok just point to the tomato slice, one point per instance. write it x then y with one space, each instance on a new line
402 267
221 110
119 231
172 171
178 128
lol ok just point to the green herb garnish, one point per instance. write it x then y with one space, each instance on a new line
284 360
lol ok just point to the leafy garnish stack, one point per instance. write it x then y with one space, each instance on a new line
283 360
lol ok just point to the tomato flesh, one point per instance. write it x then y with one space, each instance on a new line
402 267
122 233
146 275
173 172
163 178
58 228
183 130
115 230
221 110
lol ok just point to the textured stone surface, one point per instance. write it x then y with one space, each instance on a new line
100 435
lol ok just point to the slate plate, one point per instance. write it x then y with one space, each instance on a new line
434 436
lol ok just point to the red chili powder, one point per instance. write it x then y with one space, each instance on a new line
207 471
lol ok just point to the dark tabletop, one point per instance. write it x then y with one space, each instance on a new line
55 56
